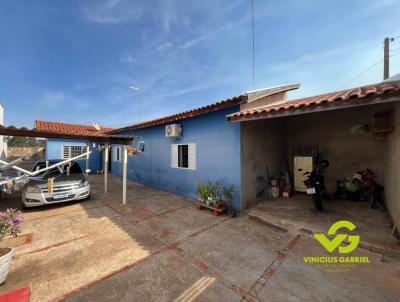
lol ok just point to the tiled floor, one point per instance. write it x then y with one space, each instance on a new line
159 247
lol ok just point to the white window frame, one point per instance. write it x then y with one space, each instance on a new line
192 158
83 150
116 154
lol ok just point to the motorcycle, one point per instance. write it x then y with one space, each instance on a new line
315 184
361 187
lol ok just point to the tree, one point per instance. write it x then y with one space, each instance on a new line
19 141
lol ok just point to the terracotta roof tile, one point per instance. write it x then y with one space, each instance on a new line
70 128
186 114
348 95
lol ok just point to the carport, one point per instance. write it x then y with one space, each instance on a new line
272 134
104 140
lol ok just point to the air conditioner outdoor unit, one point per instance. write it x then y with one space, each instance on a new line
173 131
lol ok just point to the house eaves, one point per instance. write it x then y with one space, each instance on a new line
359 96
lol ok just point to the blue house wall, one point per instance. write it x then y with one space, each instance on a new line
217 155
54 148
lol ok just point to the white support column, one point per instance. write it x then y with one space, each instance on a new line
124 172
105 168
87 158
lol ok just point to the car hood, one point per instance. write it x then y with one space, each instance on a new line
60 180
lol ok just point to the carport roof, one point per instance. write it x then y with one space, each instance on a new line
94 137
358 96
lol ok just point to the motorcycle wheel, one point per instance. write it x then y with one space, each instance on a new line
317 203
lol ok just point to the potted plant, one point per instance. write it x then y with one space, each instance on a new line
203 191
227 197
10 224
215 192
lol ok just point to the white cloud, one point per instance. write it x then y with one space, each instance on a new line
113 11
61 101
164 46
53 99
126 58
162 12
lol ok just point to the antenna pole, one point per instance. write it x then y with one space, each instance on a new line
252 30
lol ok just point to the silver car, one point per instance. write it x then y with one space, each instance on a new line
68 184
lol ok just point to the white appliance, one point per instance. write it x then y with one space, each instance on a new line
302 164
173 131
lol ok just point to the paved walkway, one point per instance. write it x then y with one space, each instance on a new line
160 248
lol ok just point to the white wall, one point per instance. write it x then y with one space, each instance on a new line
392 171
262 144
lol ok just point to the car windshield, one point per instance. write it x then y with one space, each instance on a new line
74 169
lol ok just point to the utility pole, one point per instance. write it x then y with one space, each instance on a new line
386 58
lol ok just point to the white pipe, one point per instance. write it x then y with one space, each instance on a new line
45 169
17 168
9 165
60 163
106 150
124 172
87 160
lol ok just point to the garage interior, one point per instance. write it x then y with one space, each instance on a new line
273 141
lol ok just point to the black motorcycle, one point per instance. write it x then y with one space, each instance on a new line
315 184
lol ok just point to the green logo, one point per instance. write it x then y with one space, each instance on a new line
331 245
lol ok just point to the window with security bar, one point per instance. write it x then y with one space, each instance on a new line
70 151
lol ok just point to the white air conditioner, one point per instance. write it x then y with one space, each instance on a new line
173 131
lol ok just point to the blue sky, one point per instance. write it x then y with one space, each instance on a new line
74 61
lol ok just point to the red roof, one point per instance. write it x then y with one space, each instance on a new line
349 95
70 128
186 114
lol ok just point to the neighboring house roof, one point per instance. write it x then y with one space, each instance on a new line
358 94
71 128
395 77
186 114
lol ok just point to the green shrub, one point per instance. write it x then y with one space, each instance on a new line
203 191
227 193
215 190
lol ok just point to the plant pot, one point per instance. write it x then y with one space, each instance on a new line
219 205
5 262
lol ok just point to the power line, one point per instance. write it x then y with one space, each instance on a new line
361 73
395 50
366 70
252 30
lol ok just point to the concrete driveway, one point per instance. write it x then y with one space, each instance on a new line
160 248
